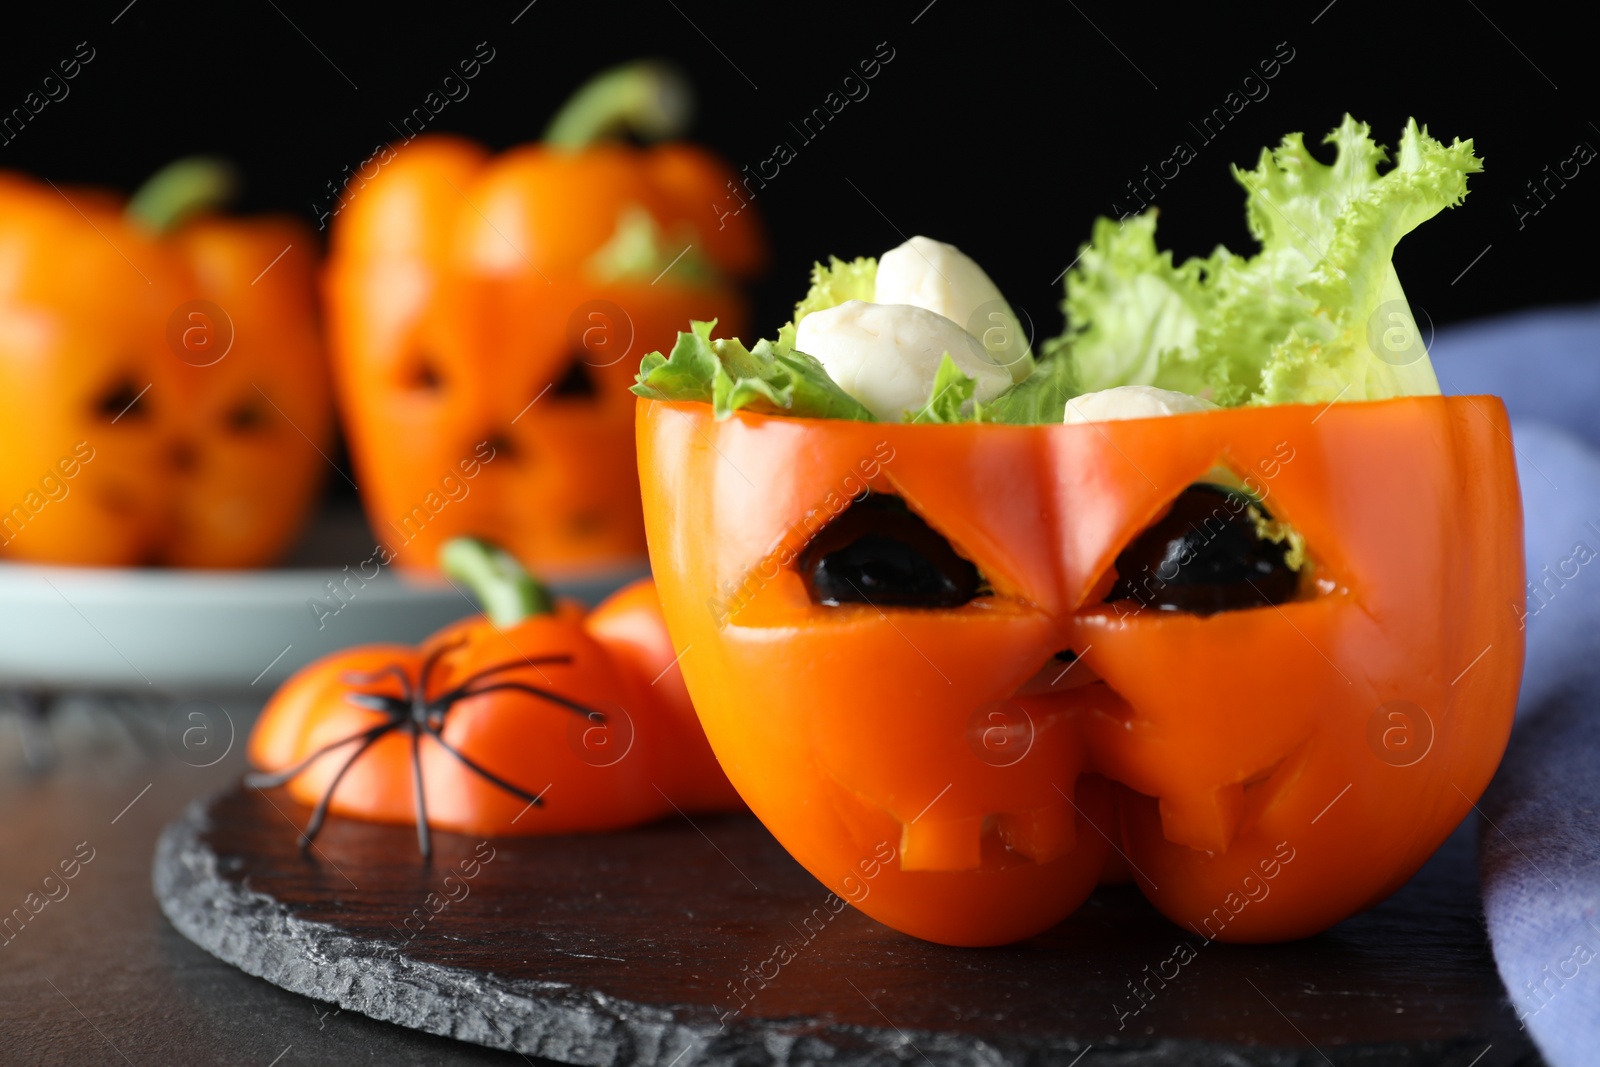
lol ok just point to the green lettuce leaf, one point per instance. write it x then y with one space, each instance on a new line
951 390
1040 397
687 373
769 378
1316 315
1128 308
837 282
775 378
778 381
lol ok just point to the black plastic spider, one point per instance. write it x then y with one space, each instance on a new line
415 713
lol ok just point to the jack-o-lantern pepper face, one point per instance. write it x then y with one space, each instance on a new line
81 442
1286 633
487 317
162 393
1214 592
259 421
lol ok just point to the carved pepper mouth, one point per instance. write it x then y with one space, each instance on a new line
1206 821
1061 673
1010 733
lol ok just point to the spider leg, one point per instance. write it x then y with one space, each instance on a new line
489 775
555 698
320 812
500 667
392 670
424 839
268 779
433 660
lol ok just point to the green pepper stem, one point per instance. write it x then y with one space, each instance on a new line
503 586
181 190
647 97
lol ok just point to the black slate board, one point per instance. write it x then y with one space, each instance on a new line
625 948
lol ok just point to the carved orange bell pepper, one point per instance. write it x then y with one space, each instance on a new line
162 391
507 300
964 647
533 719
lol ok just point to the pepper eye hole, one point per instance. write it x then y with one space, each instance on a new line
246 416
425 376
576 383
1216 549
123 400
879 552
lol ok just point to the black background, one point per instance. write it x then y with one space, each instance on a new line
1001 127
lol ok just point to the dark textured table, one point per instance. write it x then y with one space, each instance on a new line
101 976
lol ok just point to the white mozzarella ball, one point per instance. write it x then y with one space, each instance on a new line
886 355
1131 402
930 274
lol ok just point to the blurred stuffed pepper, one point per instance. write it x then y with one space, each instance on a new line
487 314
163 394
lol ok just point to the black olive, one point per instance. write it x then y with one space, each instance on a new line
1204 556
878 552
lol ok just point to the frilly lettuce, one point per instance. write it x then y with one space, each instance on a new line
837 282
774 378
1316 315
952 388
770 378
1040 397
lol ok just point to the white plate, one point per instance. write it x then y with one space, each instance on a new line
157 631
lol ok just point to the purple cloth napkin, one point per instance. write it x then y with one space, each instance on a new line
1539 837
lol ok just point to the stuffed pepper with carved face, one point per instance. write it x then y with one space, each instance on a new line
486 313
163 393
1214 592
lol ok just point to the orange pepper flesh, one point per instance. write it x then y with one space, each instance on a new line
459 298
211 465
629 622
1241 766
